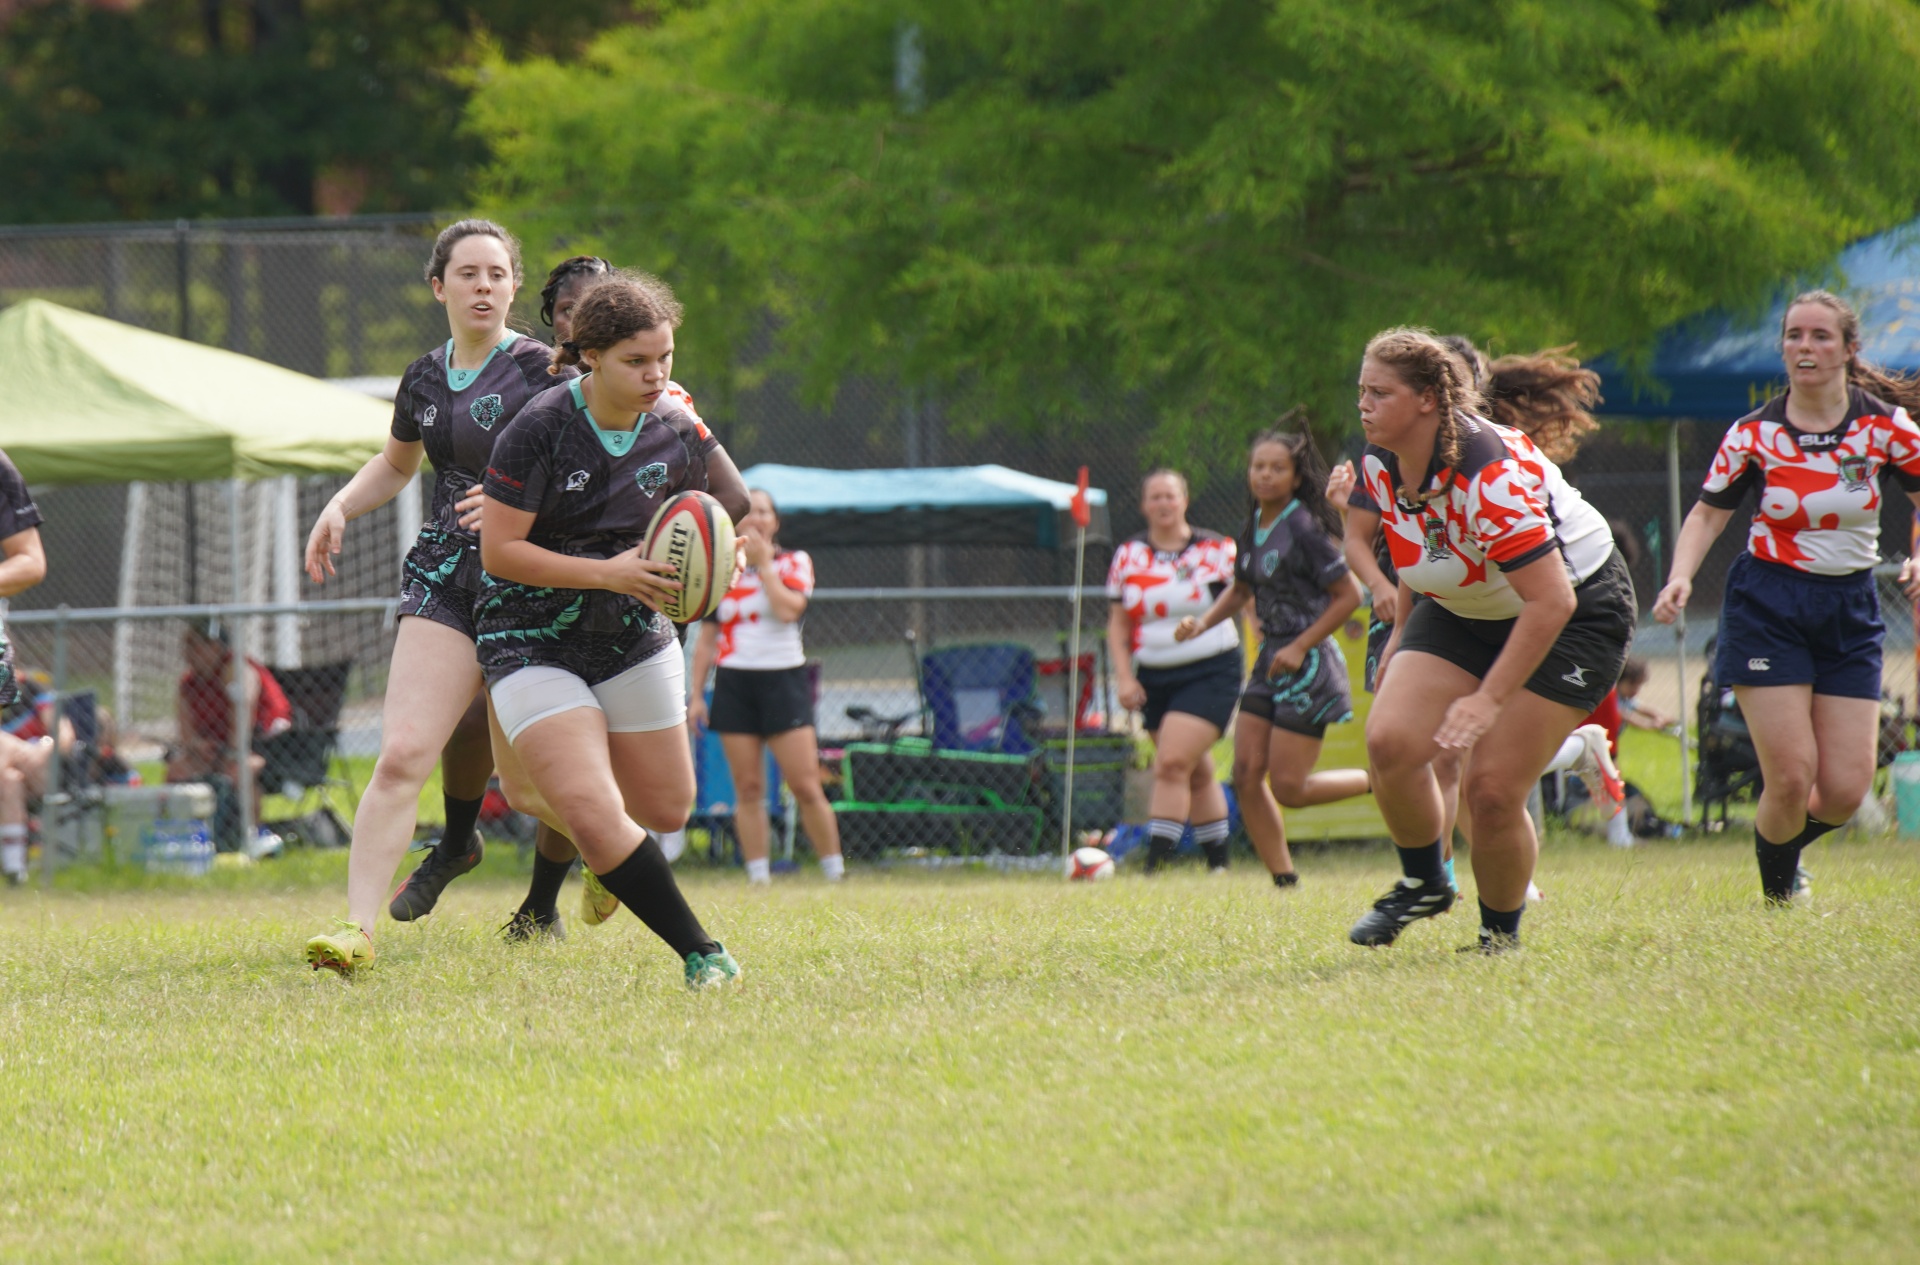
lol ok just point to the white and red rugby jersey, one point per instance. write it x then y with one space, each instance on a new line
751 636
1505 505
1819 493
1158 589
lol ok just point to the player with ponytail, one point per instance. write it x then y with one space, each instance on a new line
1800 631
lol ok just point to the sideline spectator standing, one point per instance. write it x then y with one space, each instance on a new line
23 564
204 721
1187 690
763 693
1800 630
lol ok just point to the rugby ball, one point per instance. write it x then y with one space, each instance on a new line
1089 865
693 535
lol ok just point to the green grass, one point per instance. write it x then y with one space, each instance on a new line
965 1067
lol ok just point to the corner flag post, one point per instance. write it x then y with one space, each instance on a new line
1082 516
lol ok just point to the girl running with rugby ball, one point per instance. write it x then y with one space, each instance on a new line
1290 568
1528 614
1800 630
586 676
1187 689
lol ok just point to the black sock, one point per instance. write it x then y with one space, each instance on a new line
457 840
1813 830
1212 838
1778 862
1289 879
1424 864
1163 836
544 892
1495 923
644 883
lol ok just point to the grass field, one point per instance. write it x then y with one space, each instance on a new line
962 1067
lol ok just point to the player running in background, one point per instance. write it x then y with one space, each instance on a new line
1187 690
23 564
1528 617
452 405
1290 568
1800 630
553 852
586 676
762 692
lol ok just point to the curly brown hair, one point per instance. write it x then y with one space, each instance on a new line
1426 364
1902 390
613 310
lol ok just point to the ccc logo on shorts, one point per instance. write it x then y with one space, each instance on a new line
1759 665
486 410
651 478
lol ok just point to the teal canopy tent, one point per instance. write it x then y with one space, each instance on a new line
942 505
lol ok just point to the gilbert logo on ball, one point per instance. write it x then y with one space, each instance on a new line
692 534
1089 865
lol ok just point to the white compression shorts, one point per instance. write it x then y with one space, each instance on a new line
650 695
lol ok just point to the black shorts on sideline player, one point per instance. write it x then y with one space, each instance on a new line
1783 626
1303 702
1207 688
760 702
1585 660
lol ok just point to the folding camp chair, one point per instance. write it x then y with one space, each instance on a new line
980 697
300 762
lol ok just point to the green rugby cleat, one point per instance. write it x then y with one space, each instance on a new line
597 904
347 950
706 970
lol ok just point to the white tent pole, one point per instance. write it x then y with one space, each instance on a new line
285 493
240 670
1073 689
1679 627
132 536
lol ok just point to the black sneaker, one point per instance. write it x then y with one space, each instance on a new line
1290 879
1406 901
421 892
524 926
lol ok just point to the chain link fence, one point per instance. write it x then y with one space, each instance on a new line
345 300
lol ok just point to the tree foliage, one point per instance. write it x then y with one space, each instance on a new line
234 107
1214 202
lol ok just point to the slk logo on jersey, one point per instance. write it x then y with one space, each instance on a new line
651 478
1436 539
426 418
1855 469
577 481
486 410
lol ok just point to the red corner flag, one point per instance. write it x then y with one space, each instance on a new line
1082 513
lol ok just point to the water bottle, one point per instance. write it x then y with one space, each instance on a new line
1906 792
198 848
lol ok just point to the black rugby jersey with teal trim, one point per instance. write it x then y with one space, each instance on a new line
1289 571
587 502
459 428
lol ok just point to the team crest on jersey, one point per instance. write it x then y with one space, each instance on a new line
486 410
1269 562
1436 541
426 418
651 478
1855 469
577 481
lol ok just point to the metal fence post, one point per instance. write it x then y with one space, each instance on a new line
242 669
1680 628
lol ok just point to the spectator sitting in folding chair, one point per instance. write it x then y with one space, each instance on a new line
23 779
205 718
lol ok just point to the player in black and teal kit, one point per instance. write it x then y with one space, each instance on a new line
587 678
452 405
1288 565
23 564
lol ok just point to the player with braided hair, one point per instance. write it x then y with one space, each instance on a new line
1800 631
1524 614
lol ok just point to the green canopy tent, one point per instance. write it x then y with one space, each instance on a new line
89 400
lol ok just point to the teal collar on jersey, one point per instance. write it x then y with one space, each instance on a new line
461 379
618 443
1260 533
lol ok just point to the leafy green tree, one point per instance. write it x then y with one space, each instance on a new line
241 107
1028 207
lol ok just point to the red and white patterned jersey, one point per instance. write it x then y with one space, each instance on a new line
674 391
751 636
1505 505
1819 493
1157 589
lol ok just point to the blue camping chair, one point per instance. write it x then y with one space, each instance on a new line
980 698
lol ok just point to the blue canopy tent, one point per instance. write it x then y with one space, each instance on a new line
1719 367
934 505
